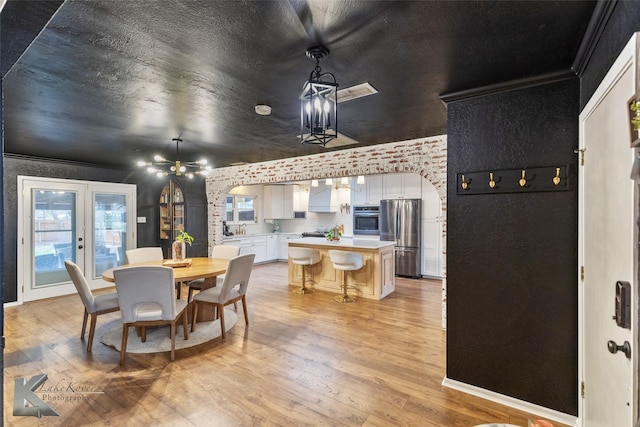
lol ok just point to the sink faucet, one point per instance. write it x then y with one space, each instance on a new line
243 228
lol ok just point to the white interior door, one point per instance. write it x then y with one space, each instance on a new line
608 251
89 223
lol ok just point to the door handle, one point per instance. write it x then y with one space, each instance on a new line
80 247
614 348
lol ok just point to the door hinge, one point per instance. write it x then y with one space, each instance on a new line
23 289
581 151
582 389
582 273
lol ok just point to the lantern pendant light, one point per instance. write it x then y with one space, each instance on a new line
319 103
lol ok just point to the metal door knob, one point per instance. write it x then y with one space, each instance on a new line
614 348
80 247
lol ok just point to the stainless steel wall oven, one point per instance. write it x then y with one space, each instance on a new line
366 220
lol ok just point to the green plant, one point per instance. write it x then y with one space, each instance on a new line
184 237
334 234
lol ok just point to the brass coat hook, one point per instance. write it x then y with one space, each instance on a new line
492 183
464 184
556 179
523 180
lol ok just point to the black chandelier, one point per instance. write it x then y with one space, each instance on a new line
319 103
163 167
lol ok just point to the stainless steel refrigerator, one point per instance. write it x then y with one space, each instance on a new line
400 222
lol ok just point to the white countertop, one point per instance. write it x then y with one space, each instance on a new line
344 242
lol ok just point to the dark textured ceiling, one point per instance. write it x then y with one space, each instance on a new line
111 82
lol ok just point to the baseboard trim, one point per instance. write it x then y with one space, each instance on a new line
539 411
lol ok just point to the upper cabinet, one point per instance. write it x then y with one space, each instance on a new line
402 186
368 194
279 201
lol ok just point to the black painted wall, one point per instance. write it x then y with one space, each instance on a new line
148 197
511 258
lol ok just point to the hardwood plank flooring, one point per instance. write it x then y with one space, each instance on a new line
304 360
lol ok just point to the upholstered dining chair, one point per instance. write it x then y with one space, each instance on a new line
152 253
136 256
234 288
146 299
94 305
218 251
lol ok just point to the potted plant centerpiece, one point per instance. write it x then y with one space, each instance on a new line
334 234
179 249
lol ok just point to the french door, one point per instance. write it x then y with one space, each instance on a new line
89 223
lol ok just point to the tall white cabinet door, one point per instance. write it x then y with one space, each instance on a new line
431 231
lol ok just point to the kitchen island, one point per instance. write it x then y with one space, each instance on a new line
375 280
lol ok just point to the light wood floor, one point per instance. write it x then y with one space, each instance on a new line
302 361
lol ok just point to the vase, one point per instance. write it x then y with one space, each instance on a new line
178 251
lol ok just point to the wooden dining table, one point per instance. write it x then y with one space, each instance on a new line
200 268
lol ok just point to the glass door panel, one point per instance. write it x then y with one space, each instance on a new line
110 231
54 235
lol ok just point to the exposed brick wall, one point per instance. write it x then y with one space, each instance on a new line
425 156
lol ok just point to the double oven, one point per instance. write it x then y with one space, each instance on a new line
366 220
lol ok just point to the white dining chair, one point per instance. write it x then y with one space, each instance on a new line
94 305
218 251
234 288
146 299
138 255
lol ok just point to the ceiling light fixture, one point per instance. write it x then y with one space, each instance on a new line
159 165
318 103
341 184
263 109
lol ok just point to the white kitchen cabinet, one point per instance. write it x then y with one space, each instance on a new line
402 186
368 194
272 247
431 231
250 245
300 199
278 201
260 249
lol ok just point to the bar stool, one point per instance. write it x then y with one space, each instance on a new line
345 261
304 257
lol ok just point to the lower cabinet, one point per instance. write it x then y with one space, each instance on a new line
269 247
250 245
272 247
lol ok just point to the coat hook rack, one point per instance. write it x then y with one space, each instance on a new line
523 180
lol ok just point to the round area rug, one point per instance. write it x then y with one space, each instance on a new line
158 338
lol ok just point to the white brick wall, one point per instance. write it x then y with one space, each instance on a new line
425 156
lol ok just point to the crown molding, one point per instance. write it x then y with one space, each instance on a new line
508 86
597 23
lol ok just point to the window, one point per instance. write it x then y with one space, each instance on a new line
239 208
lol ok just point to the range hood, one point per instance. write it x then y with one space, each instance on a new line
323 200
